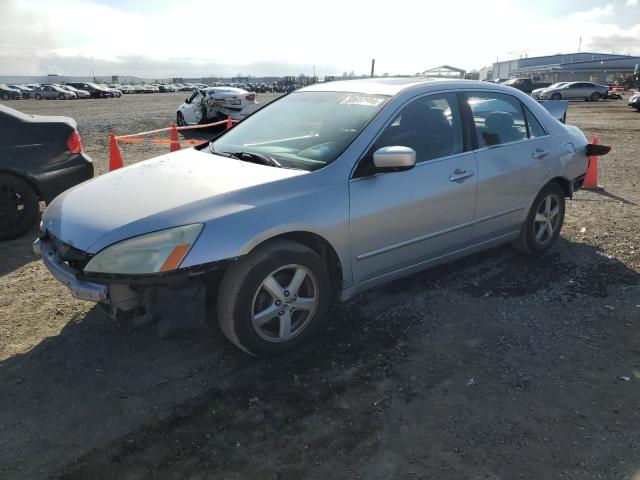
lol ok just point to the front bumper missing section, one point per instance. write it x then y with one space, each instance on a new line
92 292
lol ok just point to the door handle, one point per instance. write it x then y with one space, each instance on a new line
460 174
540 153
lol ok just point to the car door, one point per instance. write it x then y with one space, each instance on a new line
513 159
576 90
403 219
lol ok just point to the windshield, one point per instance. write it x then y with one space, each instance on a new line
557 85
304 130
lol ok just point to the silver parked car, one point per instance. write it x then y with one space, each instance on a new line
322 194
79 93
53 92
574 91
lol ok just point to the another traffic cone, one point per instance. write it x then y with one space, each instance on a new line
591 177
175 139
229 122
115 156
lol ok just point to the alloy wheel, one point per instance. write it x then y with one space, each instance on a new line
284 303
546 219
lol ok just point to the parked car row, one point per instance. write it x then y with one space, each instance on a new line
58 91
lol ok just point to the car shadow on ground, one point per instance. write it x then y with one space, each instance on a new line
101 382
18 252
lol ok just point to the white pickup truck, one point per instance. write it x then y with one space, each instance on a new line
216 103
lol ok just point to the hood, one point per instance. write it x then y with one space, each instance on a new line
155 194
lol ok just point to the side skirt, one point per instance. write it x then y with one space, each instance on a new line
347 293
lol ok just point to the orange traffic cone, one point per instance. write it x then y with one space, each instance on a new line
115 156
591 177
175 140
229 122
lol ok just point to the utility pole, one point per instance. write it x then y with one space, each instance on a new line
373 66
580 45
94 74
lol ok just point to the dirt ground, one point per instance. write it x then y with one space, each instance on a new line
497 366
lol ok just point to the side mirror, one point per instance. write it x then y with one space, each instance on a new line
394 159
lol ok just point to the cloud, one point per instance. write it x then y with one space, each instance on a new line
621 42
632 3
596 13
160 39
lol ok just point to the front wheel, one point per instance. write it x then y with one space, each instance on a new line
273 300
38 96
556 96
61 96
594 97
19 207
180 120
544 221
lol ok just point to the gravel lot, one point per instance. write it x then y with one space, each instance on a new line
497 366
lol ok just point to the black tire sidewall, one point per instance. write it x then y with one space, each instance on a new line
31 203
556 96
529 230
180 120
249 340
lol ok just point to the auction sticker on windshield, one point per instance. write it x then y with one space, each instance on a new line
362 100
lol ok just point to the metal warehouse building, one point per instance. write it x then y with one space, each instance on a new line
593 67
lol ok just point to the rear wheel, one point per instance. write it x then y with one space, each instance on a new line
273 300
544 221
5 96
594 97
19 207
556 96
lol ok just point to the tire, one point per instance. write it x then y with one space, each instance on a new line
61 96
19 207
180 120
594 97
5 96
38 96
535 238
243 297
556 96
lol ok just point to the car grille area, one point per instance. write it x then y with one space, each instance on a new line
77 259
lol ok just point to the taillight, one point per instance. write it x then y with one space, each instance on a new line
74 144
251 97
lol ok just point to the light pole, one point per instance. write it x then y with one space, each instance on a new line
94 74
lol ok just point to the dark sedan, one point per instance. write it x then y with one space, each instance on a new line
95 90
8 93
40 157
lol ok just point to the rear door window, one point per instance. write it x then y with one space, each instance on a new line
535 128
498 118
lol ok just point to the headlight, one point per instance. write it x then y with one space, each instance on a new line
150 253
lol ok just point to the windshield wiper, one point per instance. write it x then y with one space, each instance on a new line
255 158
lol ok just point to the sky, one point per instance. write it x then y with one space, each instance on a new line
192 38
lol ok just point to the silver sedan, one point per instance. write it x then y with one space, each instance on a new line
575 91
324 193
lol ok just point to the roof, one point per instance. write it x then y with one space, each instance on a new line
379 86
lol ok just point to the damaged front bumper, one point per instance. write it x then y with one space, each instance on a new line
93 292
176 296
